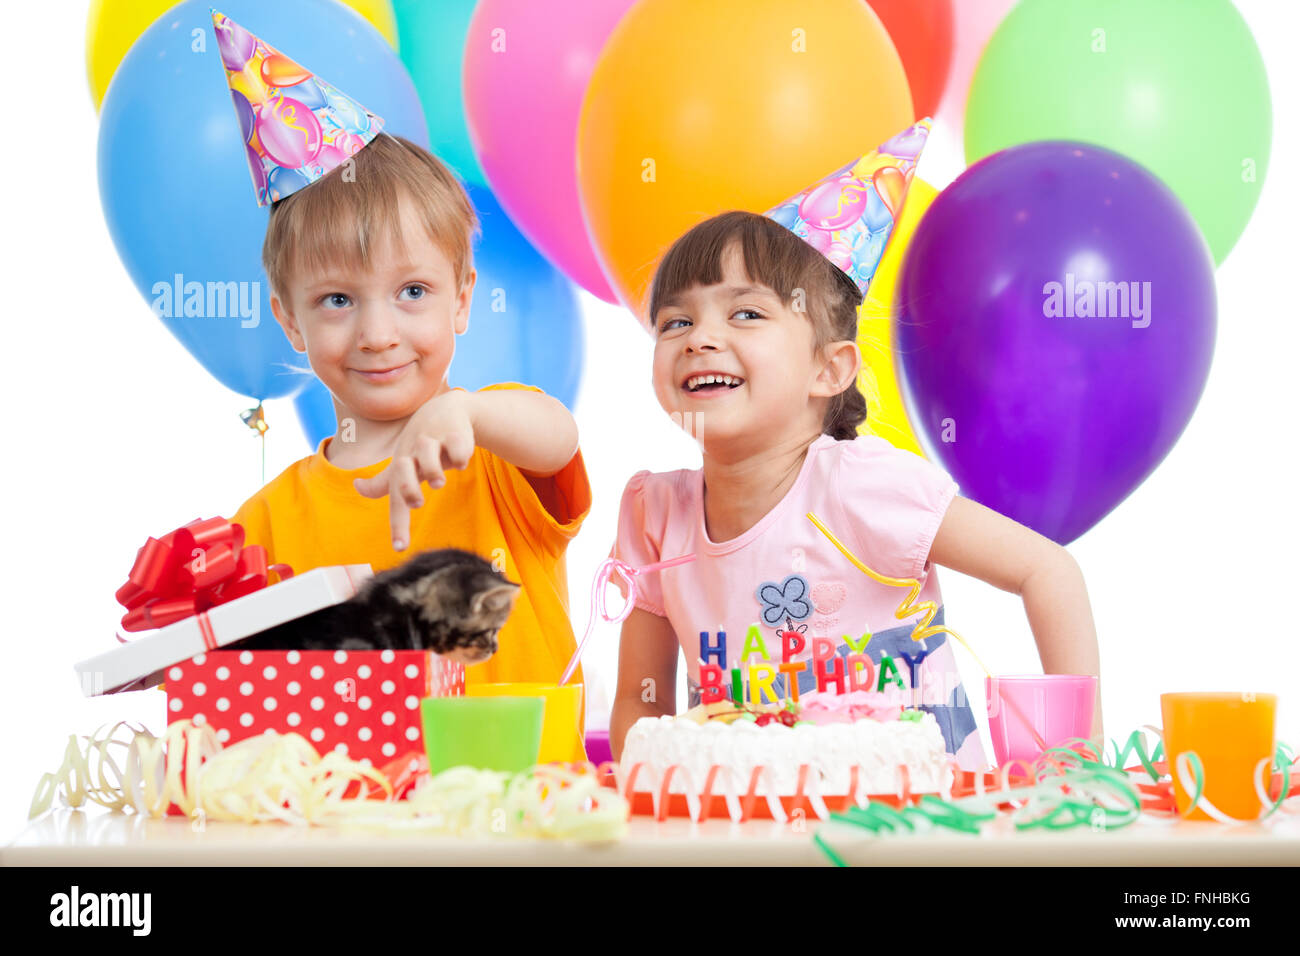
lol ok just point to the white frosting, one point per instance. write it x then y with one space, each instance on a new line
830 750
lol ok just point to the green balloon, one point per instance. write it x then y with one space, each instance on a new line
1176 85
431 43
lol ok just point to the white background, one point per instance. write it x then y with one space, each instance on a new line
115 433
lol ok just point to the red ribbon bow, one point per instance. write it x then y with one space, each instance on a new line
190 570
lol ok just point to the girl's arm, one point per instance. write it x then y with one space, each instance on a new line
978 541
647 674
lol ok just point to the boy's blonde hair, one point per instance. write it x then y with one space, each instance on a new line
338 220
776 257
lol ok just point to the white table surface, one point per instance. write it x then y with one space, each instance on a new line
99 838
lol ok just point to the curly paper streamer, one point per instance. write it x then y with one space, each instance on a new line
281 778
928 609
1160 799
1071 786
1091 795
604 574
88 773
908 607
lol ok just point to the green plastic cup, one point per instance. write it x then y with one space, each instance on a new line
490 733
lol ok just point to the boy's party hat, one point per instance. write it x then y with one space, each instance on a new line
849 216
296 127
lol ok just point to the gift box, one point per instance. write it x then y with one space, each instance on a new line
362 704
198 589
143 662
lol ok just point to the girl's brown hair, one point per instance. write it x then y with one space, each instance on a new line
338 220
779 259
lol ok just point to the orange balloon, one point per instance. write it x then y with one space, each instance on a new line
698 108
279 70
891 185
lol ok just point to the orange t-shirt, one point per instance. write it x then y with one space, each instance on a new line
311 516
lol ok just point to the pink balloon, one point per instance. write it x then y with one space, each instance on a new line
819 239
330 156
525 72
288 131
349 143
835 204
973 24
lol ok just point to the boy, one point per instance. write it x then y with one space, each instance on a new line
371 276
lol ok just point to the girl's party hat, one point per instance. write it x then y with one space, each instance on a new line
296 127
849 216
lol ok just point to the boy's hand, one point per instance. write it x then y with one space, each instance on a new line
440 435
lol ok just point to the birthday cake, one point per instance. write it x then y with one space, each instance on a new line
830 734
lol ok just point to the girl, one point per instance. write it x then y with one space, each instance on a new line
755 346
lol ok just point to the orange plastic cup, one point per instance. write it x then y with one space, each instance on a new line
561 736
1230 733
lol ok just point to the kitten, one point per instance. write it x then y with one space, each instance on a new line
447 601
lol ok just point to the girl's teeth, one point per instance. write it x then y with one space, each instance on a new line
701 380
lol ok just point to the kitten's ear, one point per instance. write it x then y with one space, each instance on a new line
495 600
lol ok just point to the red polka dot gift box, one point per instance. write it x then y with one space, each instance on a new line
362 704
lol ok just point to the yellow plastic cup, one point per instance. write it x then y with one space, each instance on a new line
1230 733
561 735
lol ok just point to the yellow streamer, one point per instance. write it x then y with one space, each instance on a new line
909 606
281 777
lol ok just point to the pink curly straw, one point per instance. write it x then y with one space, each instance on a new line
604 574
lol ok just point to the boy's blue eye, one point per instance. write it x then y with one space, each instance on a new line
419 289
328 301
670 324
757 315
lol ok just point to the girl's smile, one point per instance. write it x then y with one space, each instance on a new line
710 383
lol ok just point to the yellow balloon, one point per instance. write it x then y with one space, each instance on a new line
886 416
249 82
381 16
113 25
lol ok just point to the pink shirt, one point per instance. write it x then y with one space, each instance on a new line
883 503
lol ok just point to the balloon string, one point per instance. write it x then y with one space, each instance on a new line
923 629
604 574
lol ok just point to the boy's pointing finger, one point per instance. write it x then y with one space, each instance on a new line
399 518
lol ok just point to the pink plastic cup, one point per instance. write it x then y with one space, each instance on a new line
1056 707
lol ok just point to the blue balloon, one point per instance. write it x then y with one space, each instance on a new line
284 181
525 323
307 93
174 178
877 215
315 408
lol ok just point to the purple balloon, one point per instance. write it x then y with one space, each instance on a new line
244 110
257 170
1055 323
235 43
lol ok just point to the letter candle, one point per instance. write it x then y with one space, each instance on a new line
755 675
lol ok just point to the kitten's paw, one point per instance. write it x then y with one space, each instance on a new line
469 655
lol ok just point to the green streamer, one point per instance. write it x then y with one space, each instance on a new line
1069 790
